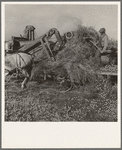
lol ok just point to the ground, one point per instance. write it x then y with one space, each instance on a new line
45 101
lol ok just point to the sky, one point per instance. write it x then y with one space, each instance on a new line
64 17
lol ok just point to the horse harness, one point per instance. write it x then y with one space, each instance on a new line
18 64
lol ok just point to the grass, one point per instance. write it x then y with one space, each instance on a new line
46 102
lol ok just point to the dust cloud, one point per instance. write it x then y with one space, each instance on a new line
67 23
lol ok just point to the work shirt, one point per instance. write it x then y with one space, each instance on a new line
104 41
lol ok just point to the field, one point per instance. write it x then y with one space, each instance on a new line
46 102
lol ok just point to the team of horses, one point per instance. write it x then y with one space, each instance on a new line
18 62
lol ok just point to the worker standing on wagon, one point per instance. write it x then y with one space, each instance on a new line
103 45
103 42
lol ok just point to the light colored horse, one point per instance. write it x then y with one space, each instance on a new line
19 62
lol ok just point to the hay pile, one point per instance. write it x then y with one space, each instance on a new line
76 61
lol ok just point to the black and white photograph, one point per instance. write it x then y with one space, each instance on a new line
61 65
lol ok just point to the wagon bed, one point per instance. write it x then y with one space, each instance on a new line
108 70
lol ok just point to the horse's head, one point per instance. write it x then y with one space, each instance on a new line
8 46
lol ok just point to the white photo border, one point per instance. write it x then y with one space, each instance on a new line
63 134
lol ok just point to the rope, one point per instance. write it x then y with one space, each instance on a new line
18 63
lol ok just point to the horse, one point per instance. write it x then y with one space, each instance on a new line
19 62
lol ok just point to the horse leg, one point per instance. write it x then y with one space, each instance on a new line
24 83
27 74
17 73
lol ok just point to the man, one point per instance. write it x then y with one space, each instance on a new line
12 46
103 45
103 42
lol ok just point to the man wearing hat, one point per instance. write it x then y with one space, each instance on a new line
103 43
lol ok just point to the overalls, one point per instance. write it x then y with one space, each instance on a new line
104 42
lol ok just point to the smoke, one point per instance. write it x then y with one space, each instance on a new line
67 23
